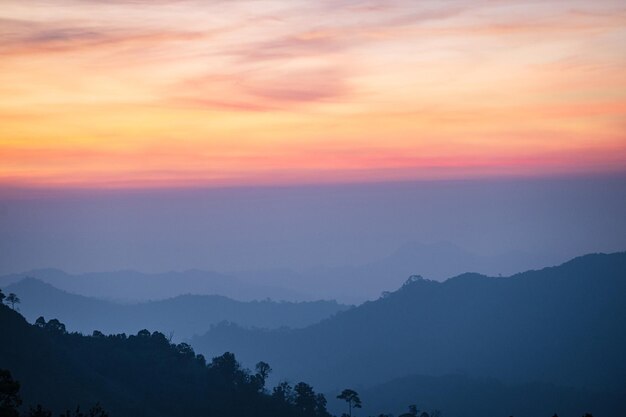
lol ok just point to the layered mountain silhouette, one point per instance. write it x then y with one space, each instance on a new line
138 375
535 343
561 325
133 286
356 283
351 284
182 316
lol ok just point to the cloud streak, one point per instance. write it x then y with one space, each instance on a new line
22 38
246 91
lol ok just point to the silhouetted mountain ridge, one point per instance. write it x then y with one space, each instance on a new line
134 286
561 324
183 315
347 283
356 283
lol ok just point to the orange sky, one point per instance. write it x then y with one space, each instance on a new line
182 93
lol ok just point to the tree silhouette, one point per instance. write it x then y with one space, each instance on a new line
10 400
2 297
95 411
352 398
414 412
55 326
185 349
263 370
9 394
13 299
283 392
39 412
305 399
143 333
228 369
320 405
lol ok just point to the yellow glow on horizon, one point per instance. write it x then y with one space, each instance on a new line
185 93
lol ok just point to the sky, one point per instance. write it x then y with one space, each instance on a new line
132 94
535 222
234 135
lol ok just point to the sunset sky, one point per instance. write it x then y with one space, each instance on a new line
133 94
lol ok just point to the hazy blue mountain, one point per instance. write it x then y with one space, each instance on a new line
564 325
462 396
352 284
357 283
184 315
133 286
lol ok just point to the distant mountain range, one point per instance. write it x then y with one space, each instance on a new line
133 286
351 284
358 283
182 316
563 325
534 343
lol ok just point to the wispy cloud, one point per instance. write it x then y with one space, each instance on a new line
441 84
23 37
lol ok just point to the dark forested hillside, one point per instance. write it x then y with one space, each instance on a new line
182 316
562 325
141 375
542 340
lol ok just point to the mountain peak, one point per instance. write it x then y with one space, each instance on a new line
32 283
